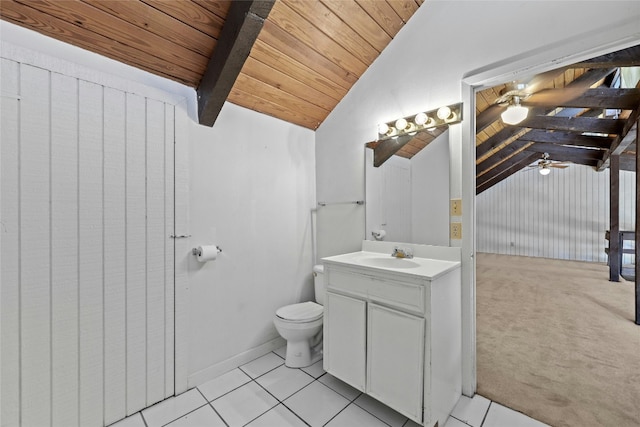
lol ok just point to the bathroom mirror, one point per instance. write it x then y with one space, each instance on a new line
407 196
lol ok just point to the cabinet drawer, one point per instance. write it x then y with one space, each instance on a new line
349 283
406 296
403 295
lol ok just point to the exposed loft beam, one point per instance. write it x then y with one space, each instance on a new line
509 169
629 57
240 31
623 99
501 155
505 166
623 140
581 156
576 124
550 140
583 82
568 138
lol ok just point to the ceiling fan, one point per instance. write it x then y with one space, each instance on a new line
544 165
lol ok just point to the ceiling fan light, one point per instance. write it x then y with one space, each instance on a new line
544 170
514 114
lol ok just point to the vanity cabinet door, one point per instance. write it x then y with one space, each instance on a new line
395 348
344 339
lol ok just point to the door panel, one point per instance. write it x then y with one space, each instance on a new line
87 208
395 350
344 339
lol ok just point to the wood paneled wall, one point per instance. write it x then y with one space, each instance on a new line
86 209
563 215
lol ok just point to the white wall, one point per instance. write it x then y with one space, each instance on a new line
252 193
430 193
563 215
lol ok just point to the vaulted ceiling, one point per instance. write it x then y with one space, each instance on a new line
291 59
296 59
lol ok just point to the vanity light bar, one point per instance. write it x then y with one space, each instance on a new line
429 120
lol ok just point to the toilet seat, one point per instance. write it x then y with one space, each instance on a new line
300 313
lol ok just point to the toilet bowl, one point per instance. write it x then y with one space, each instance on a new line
301 325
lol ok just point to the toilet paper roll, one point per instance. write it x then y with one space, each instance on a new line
378 234
207 253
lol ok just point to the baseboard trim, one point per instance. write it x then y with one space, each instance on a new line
231 363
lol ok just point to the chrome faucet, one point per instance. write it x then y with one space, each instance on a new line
402 253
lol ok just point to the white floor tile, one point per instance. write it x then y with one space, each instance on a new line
223 384
244 404
340 386
315 370
411 423
279 416
282 352
204 416
134 420
354 415
316 404
501 416
173 408
471 410
282 382
262 365
452 422
381 411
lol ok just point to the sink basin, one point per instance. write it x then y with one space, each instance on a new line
387 262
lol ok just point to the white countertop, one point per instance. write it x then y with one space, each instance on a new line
415 267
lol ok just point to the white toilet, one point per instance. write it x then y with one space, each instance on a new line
301 325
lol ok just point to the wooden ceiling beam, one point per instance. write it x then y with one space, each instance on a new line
568 138
492 113
623 140
506 165
501 155
565 153
601 98
575 124
240 31
629 57
524 161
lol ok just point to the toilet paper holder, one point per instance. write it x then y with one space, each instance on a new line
196 251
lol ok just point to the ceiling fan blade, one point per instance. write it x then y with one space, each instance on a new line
559 165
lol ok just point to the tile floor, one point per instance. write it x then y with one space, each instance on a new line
265 393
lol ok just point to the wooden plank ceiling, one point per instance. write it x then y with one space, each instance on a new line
577 114
305 59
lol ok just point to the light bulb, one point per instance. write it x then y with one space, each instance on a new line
401 124
514 114
383 128
444 113
420 119
544 170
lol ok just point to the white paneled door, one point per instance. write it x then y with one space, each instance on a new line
87 277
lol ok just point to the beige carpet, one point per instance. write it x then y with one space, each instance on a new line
556 340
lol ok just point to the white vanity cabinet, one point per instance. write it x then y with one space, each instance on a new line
395 336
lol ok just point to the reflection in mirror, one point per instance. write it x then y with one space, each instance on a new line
407 197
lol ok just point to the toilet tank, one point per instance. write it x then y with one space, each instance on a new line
318 283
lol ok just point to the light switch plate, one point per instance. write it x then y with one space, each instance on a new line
456 207
456 230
